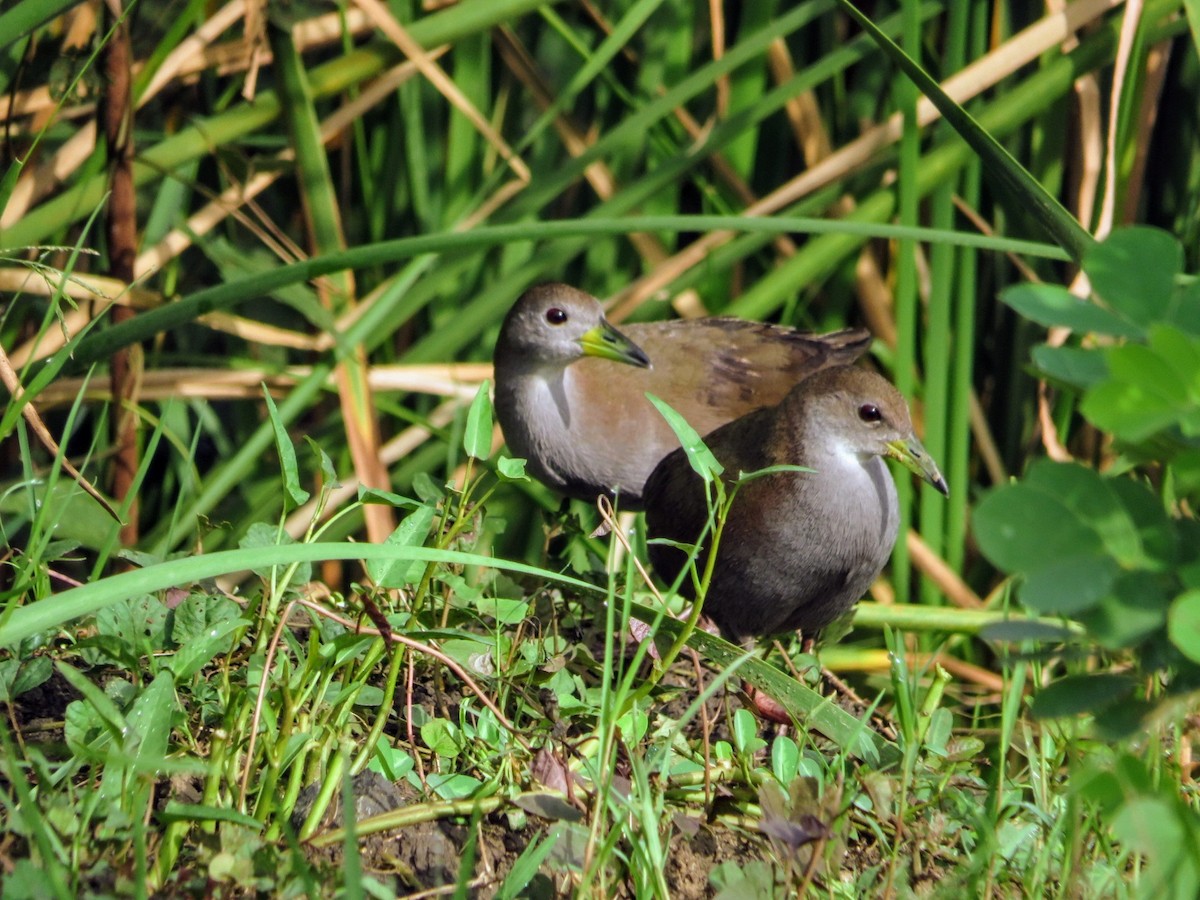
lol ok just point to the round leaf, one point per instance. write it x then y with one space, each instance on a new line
1021 528
1134 271
1051 305
1183 624
1068 586
1080 694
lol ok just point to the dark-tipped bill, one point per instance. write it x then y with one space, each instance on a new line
606 342
912 455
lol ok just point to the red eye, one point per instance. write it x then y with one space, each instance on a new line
556 316
869 412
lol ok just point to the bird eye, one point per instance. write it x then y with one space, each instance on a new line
869 412
556 316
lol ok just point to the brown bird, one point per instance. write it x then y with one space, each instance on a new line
798 548
570 388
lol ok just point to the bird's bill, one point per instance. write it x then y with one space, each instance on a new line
911 454
605 342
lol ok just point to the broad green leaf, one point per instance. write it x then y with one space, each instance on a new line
1128 411
77 516
1021 528
634 725
1183 624
199 614
1081 694
1181 353
1069 585
745 733
1156 531
1095 503
1185 472
140 622
1184 313
1164 832
1075 366
1146 367
1133 611
426 489
143 747
1016 630
1134 272
1052 305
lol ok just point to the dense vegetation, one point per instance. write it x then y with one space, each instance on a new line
259 532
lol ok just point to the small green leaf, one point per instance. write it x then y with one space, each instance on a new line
477 436
329 477
511 469
441 736
634 725
745 733
453 787
1156 530
199 614
412 531
193 655
698 454
145 737
1181 353
505 612
937 735
1144 366
785 759
387 498
287 454
1134 272
426 489
17 676
1164 832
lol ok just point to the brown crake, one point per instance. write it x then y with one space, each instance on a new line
798 548
570 388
